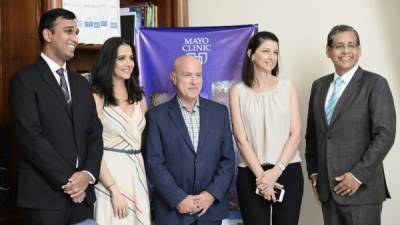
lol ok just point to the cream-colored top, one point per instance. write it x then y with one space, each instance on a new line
266 118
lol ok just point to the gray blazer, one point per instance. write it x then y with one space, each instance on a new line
361 133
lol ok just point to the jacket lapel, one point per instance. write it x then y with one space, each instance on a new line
344 98
322 98
48 77
204 123
74 92
175 113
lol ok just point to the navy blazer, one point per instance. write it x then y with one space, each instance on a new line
51 135
176 170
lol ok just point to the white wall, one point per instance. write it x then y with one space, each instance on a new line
302 27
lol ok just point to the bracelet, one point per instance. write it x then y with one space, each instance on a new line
281 166
108 187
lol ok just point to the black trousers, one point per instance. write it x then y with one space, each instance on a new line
71 214
256 210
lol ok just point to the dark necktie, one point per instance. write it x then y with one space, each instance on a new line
63 85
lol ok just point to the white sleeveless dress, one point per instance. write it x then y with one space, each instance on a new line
122 136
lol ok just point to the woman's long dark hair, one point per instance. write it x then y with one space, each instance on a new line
102 73
248 66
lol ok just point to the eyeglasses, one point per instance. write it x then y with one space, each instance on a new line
188 75
342 46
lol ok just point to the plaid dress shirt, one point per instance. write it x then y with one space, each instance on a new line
192 121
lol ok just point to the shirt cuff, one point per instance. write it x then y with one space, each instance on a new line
355 178
91 176
313 174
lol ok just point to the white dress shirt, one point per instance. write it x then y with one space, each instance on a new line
346 77
54 67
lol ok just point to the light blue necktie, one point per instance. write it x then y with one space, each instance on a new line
330 107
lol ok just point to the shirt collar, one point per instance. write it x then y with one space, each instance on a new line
53 66
346 77
195 108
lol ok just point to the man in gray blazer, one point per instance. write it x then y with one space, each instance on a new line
350 129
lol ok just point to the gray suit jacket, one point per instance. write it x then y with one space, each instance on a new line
361 133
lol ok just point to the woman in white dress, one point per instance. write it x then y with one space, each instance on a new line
122 194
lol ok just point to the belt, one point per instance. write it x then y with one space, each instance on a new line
267 164
126 151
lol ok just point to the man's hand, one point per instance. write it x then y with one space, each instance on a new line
314 182
77 184
347 185
187 205
203 201
79 198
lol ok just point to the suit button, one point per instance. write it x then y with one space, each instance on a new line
329 137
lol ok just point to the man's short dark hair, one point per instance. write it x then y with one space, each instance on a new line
338 29
48 18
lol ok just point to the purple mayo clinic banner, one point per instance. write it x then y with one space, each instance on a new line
219 49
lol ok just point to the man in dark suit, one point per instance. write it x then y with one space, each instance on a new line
189 152
4 159
350 129
57 129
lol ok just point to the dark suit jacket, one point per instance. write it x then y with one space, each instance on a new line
51 136
4 164
176 170
361 133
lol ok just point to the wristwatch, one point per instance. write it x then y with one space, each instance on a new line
281 166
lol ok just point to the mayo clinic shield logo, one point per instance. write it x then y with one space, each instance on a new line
197 47
201 56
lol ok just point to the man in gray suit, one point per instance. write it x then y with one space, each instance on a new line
350 129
